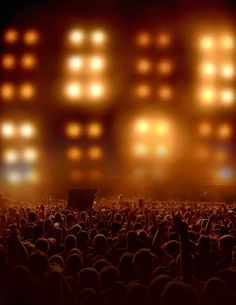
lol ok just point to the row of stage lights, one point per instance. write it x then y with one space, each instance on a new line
9 91
76 175
80 37
26 155
223 131
16 177
163 67
144 90
76 153
10 130
29 37
79 63
27 61
75 90
147 39
76 130
210 96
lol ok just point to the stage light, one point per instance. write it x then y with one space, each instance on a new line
31 37
143 39
143 90
8 130
74 153
142 126
144 66
30 155
95 153
227 96
227 42
28 61
27 91
225 174
14 177
208 69
207 95
10 156
7 91
140 150
96 63
75 63
161 151
73 130
163 40
205 129
162 128
96 90
207 43
27 130
164 67
94 130
95 174
11 36
32 177
98 37
8 61
227 71
73 90
76 37
203 153
164 92
76 175
225 131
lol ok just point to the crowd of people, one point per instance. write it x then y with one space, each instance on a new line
120 252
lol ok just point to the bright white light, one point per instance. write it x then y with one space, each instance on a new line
207 43
73 90
96 63
162 128
10 156
96 90
142 126
227 42
27 130
75 63
76 37
227 71
8 130
140 150
14 177
30 155
208 69
161 150
98 37
227 96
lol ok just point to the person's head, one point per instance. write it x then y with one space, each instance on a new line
70 242
214 291
38 232
137 294
88 278
32 217
73 264
126 267
172 248
82 238
115 228
226 244
38 264
108 277
179 292
131 237
100 243
19 276
143 263
156 288
204 244
56 259
42 245
100 263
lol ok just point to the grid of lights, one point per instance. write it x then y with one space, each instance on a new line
161 68
29 37
216 70
9 92
76 153
76 130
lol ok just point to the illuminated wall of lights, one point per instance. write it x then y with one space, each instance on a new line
85 80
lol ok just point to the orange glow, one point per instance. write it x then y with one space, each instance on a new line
75 63
8 61
96 90
95 153
95 174
74 153
205 129
73 90
30 155
11 36
7 91
143 39
14 177
76 37
28 61
94 130
143 90
140 150
207 43
144 66
221 156
96 63
225 131
31 37
227 42
32 177
227 71
8 130
227 97
98 37
208 69
163 40
203 153
162 128
76 175
73 130
165 67
142 126
27 91
27 130
10 156
161 150
164 92
207 96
